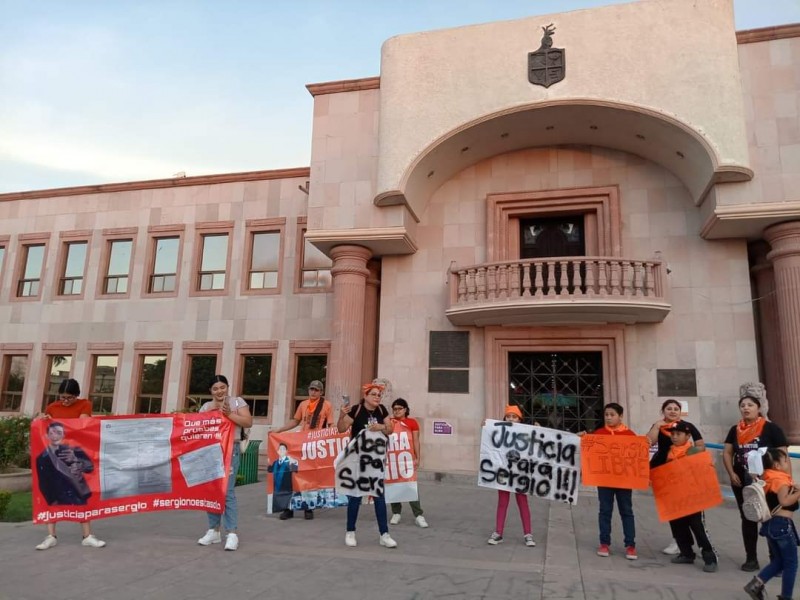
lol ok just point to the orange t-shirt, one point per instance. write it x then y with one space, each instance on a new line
57 410
305 412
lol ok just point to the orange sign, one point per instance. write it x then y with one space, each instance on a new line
617 461
685 486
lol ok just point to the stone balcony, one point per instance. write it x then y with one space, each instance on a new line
558 291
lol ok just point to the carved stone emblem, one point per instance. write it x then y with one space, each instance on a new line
547 65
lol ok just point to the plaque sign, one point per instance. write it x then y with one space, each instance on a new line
547 65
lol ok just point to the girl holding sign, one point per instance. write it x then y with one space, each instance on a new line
372 415
514 415
400 411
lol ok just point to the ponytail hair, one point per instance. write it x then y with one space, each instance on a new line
772 456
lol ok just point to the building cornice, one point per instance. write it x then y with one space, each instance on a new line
767 34
344 85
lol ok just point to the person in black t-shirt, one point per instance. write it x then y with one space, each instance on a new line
752 432
372 415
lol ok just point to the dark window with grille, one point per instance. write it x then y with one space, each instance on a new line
448 362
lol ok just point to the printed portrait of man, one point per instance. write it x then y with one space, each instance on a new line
282 470
61 469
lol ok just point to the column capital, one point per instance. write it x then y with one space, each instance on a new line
784 239
350 259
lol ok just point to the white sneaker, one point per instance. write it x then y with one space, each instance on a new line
672 549
231 541
386 540
395 519
48 543
212 536
350 539
529 540
495 539
92 542
421 522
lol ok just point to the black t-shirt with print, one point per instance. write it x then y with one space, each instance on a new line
361 417
771 436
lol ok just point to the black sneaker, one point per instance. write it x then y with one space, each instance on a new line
682 560
287 514
750 566
309 514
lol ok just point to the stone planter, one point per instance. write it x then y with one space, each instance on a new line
17 480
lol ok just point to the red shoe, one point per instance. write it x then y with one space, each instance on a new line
603 550
630 553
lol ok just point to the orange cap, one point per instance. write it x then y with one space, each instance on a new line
513 409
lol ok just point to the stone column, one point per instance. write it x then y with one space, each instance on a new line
371 312
349 292
769 332
785 257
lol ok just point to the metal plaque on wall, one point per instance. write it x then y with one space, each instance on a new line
676 382
547 65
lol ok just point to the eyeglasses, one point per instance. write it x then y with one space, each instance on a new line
396 408
67 398
375 393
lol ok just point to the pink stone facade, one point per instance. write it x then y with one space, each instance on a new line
692 237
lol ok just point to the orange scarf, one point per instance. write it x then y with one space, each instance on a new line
621 428
747 433
776 480
667 429
676 452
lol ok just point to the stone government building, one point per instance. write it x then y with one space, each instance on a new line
629 231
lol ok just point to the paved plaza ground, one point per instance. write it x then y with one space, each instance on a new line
154 556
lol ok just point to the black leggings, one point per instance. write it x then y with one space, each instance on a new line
749 528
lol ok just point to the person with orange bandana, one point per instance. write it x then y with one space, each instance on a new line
753 431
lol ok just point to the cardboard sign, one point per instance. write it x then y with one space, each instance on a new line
530 460
360 468
685 486
99 467
616 461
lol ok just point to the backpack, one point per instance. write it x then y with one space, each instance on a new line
754 502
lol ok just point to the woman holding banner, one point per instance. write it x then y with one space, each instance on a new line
752 432
660 434
400 412
368 414
234 409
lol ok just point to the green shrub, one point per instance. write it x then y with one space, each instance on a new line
14 442
5 500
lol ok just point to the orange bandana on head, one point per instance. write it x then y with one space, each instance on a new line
368 386
776 480
747 433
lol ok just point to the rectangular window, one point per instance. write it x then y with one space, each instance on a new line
2 258
264 260
448 362
59 368
308 368
119 266
316 267
103 383
15 369
150 387
71 282
255 379
213 263
29 284
200 368
165 265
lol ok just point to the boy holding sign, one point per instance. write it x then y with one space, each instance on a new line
684 527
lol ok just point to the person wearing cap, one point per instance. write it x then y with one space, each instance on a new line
313 413
753 431
684 527
512 414
52 474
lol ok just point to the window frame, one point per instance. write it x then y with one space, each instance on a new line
265 348
154 233
105 349
50 350
253 227
190 349
201 230
299 348
24 241
5 242
302 227
140 350
65 239
7 352
110 236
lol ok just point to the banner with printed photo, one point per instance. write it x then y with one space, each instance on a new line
530 460
685 486
302 475
617 461
99 467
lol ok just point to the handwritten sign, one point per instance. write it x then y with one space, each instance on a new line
685 486
530 460
360 467
616 461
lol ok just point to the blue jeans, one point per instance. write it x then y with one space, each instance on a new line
231 514
605 495
782 541
354 503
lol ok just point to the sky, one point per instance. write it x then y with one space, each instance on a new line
96 91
